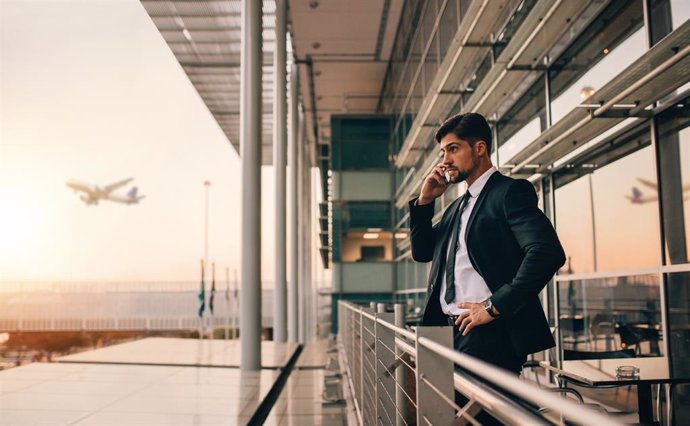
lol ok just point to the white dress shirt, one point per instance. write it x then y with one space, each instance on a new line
469 285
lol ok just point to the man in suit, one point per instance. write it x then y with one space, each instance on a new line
492 252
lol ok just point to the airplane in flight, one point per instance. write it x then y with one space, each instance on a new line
94 193
638 197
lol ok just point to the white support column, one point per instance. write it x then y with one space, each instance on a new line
308 250
300 232
293 135
250 153
279 164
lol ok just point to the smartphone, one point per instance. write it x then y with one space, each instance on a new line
446 177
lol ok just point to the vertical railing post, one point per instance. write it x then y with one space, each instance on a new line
438 371
400 373
366 370
360 350
385 361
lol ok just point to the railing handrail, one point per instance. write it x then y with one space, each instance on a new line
490 373
524 390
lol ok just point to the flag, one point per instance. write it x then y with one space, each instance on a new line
213 288
202 293
227 287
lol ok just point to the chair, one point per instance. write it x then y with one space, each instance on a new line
573 330
601 328
632 336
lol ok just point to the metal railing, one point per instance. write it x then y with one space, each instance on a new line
402 377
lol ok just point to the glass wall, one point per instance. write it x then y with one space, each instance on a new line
619 204
593 195
620 313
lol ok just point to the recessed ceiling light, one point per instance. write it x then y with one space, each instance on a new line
313 4
316 45
317 73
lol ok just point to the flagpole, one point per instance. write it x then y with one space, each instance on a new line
207 184
227 301
202 301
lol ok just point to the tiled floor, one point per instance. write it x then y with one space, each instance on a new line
108 393
171 351
92 394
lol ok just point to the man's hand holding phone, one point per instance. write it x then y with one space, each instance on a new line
434 185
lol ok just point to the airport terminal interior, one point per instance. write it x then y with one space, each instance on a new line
588 100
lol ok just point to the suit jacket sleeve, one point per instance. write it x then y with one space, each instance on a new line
543 253
422 234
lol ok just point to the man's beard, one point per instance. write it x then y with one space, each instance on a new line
460 176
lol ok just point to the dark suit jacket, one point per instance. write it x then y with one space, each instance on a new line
511 244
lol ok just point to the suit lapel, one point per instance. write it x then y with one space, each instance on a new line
482 196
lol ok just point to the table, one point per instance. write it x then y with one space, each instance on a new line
602 373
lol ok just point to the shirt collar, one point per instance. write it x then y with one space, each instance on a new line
476 188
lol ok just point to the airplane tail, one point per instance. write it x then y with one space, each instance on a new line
133 197
636 193
636 196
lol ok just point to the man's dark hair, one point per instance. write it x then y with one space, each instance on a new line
471 127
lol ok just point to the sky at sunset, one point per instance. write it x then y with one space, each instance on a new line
90 91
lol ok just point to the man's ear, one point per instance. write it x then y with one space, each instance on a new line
481 146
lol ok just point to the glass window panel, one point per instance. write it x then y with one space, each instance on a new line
611 314
611 43
640 229
607 194
574 226
428 20
512 26
481 72
674 164
530 105
448 26
600 74
518 141
431 64
680 12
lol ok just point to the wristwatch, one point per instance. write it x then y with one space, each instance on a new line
489 307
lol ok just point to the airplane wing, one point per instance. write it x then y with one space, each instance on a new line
78 186
648 183
114 186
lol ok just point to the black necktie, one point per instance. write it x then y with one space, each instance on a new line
449 297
